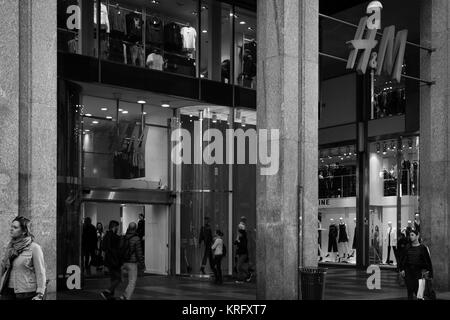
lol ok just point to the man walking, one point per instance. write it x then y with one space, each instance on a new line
206 236
133 258
111 243
88 243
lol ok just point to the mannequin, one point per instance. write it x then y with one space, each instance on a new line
343 237
332 235
319 230
354 240
155 60
391 239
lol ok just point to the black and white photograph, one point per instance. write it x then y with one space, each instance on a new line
222 154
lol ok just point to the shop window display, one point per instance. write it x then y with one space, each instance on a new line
394 199
337 172
245 48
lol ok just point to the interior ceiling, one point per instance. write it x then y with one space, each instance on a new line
403 14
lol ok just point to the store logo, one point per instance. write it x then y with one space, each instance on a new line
391 52
256 150
73 21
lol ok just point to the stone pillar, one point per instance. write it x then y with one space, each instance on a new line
28 122
435 137
287 100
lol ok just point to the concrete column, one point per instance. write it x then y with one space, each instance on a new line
28 122
435 137
287 100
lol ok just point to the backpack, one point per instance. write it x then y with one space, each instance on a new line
124 249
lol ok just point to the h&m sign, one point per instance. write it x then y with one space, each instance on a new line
391 51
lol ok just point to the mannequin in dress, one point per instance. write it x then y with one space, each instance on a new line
343 239
332 237
391 239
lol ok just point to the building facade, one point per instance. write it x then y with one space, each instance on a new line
92 104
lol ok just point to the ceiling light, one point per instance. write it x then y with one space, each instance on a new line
94 122
214 118
165 105
104 109
155 1
88 115
204 31
145 113
190 116
87 130
142 102
120 110
109 117
242 22
243 122
251 29
124 112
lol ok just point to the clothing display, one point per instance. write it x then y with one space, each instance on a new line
332 238
391 238
104 19
417 225
154 30
336 181
155 61
189 38
116 51
343 233
134 27
118 23
172 37
137 55
73 45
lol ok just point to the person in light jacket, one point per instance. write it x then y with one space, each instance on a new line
217 249
22 269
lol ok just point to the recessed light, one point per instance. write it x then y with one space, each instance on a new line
88 115
94 122
87 130
109 117
165 105
120 110
242 22
145 113
204 31
142 102
104 109
124 112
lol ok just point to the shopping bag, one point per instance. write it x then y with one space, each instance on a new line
421 290
429 293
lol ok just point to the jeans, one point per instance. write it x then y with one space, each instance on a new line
137 53
218 268
242 267
10 295
132 269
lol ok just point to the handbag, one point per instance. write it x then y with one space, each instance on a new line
421 289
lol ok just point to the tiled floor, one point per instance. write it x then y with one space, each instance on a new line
341 284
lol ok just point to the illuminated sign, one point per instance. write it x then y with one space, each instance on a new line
391 51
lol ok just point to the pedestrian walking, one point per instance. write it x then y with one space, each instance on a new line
241 243
133 259
22 270
99 259
416 264
206 237
110 246
88 244
218 251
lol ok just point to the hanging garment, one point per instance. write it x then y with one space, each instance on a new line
189 35
155 61
154 30
172 37
118 23
134 27
354 240
104 19
343 233
332 235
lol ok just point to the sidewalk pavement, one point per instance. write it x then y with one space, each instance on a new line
341 284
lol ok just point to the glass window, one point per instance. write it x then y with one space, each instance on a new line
245 48
216 41
394 198
134 147
389 97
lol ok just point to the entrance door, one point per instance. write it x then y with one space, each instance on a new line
157 239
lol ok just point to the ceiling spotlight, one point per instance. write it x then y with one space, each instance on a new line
109 117
243 122
88 115
242 22
104 109
94 122
214 118
142 102
120 110
251 29
410 143
124 112
155 1
165 105
145 113
378 147
204 31
384 148
87 130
